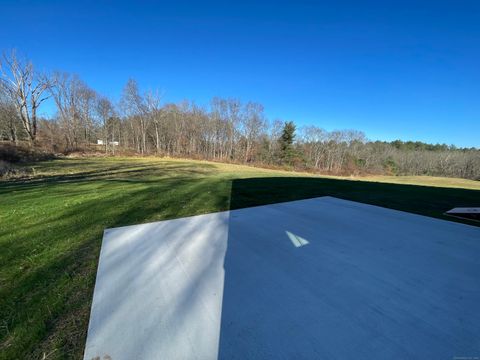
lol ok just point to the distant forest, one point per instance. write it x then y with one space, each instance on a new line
227 130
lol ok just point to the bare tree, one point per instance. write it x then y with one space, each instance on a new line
154 111
134 107
313 139
105 112
75 105
252 124
10 123
26 88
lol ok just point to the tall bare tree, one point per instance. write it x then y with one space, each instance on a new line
154 111
252 124
133 105
26 88
75 104
10 123
106 112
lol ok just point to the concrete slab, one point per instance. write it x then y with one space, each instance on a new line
465 213
321 278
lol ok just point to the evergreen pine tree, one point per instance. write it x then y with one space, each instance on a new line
287 151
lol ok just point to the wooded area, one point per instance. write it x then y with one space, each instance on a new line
227 130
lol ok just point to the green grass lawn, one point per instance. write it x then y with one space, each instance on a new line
51 227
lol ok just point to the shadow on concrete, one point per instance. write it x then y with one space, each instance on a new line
294 290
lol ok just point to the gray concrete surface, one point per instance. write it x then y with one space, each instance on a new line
314 279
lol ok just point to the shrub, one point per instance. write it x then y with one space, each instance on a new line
9 171
22 153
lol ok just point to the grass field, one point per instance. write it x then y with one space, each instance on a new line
51 227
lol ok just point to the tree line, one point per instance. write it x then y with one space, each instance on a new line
226 130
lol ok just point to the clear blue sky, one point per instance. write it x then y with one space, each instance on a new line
394 69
